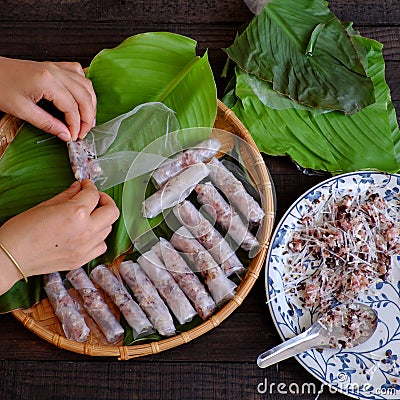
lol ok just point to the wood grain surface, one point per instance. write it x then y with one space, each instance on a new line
220 364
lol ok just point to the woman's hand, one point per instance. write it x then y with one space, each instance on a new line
60 234
23 83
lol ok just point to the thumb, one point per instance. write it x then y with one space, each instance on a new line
64 196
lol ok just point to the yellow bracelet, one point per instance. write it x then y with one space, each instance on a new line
14 261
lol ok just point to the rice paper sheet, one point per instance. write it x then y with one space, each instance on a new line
104 156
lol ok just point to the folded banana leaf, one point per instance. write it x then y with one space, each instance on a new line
313 137
150 67
307 55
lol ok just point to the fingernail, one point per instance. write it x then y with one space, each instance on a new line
75 184
94 122
64 136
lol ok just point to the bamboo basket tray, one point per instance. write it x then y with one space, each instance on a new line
41 319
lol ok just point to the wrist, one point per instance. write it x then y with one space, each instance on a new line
9 275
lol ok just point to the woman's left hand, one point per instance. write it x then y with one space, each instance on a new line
23 83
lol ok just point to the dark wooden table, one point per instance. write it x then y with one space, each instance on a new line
221 363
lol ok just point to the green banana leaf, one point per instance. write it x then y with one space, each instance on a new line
307 54
155 66
369 139
149 67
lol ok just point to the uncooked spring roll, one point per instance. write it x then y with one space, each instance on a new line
168 289
226 216
186 278
208 236
148 297
235 192
221 288
200 153
133 314
175 190
65 308
95 305
82 157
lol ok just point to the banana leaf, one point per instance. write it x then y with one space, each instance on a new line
307 55
155 66
334 142
149 67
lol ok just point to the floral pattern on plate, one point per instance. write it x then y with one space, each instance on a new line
372 369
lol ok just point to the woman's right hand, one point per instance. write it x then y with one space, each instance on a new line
60 234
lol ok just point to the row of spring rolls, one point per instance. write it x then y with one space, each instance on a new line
161 281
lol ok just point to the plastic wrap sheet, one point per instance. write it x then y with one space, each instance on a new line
256 6
105 155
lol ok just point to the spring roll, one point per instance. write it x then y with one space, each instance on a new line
148 298
221 288
82 156
208 236
225 215
95 305
235 192
168 289
65 308
133 314
200 153
175 190
186 278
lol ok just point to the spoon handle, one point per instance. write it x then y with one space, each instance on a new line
306 340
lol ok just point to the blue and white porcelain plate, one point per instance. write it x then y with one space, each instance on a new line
372 369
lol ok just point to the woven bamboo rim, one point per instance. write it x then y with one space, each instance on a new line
41 319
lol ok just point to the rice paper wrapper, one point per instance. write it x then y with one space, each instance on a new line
186 278
95 305
66 308
220 286
116 290
169 290
148 298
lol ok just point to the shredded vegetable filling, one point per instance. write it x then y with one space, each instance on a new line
351 239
